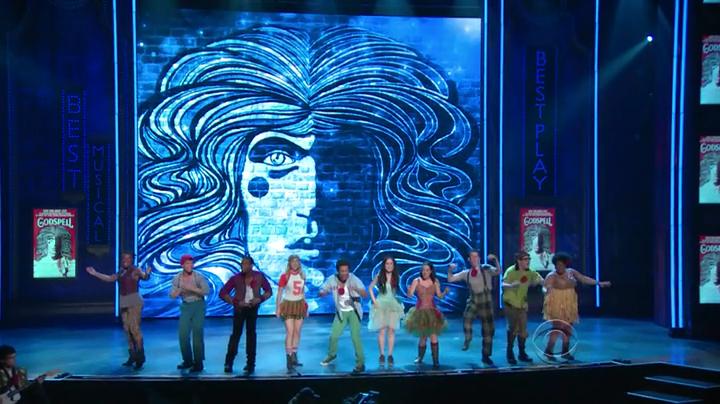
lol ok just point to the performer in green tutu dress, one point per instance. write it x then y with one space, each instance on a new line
425 320
386 311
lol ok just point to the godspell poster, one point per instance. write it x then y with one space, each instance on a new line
54 242
710 77
537 236
709 269
709 181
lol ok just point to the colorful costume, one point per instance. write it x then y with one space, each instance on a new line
425 319
293 305
131 305
348 312
387 310
516 308
479 304
561 301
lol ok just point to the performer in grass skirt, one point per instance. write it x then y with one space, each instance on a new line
561 302
386 311
425 320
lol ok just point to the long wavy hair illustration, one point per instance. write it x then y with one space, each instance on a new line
195 137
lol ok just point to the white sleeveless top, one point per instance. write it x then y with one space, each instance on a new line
294 287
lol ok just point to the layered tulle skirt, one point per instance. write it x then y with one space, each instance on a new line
386 312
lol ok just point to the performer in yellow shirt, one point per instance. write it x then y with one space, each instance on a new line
518 278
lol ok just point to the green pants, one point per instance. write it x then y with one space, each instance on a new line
342 319
192 319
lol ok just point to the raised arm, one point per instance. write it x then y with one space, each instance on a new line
144 275
460 276
586 280
101 276
495 262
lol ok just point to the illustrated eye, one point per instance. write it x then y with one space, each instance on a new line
277 153
278 158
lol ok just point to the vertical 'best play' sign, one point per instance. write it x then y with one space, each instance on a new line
540 120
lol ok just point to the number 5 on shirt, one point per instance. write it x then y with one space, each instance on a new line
297 288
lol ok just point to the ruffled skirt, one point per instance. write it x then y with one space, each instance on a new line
386 312
425 322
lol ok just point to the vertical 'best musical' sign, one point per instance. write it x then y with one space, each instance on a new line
73 140
540 120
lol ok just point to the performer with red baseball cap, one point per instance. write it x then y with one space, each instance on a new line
192 287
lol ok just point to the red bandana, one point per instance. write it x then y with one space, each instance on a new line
474 272
341 291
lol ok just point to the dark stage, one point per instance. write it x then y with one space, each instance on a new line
614 350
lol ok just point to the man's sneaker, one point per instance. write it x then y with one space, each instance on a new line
328 360
358 369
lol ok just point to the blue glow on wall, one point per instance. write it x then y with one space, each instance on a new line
117 155
329 142
596 209
681 154
673 265
500 142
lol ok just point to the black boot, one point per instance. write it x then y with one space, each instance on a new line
510 344
290 363
295 359
139 358
466 344
523 356
566 352
131 358
421 353
434 349
229 363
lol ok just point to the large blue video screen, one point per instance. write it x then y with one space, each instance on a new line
322 136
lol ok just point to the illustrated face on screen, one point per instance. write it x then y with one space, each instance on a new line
278 188
323 144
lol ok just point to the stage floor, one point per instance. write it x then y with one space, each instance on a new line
96 349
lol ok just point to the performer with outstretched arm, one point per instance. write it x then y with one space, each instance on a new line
386 311
479 302
347 290
248 285
561 303
292 308
425 320
516 281
131 304
192 287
